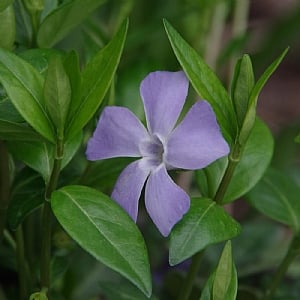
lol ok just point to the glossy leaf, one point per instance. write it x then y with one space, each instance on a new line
241 87
63 19
277 197
222 284
251 112
105 230
57 92
205 223
24 86
72 68
204 81
27 194
40 155
7 28
95 81
255 160
12 131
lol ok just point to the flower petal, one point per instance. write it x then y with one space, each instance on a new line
165 201
118 133
197 141
129 186
163 94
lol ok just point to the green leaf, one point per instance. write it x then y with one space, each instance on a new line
255 160
24 86
5 3
57 92
40 155
205 223
205 82
72 68
63 19
222 284
11 131
96 79
277 197
104 229
103 174
7 28
27 194
125 291
7 110
251 111
39 58
241 87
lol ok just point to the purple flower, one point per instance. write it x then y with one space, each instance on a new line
193 144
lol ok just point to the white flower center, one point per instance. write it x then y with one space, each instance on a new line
153 149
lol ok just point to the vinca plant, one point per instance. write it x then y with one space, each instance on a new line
121 182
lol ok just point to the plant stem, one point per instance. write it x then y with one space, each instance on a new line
47 218
292 252
239 26
21 264
215 34
233 160
4 186
189 280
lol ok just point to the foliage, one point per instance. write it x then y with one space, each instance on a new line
61 233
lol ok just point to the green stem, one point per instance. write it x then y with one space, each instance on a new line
282 269
233 160
47 218
189 280
4 186
21 264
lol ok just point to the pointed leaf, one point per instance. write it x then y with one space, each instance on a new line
24 86
63 19
96 79
57 92
222 284
277 197
204 81
204 224
241 87
105 230
72 68
11 131
251 111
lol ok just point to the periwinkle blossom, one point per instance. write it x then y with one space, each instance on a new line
193 144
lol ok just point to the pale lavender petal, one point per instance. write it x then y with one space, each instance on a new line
163 94
197 141
129 186
118 133
165 201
